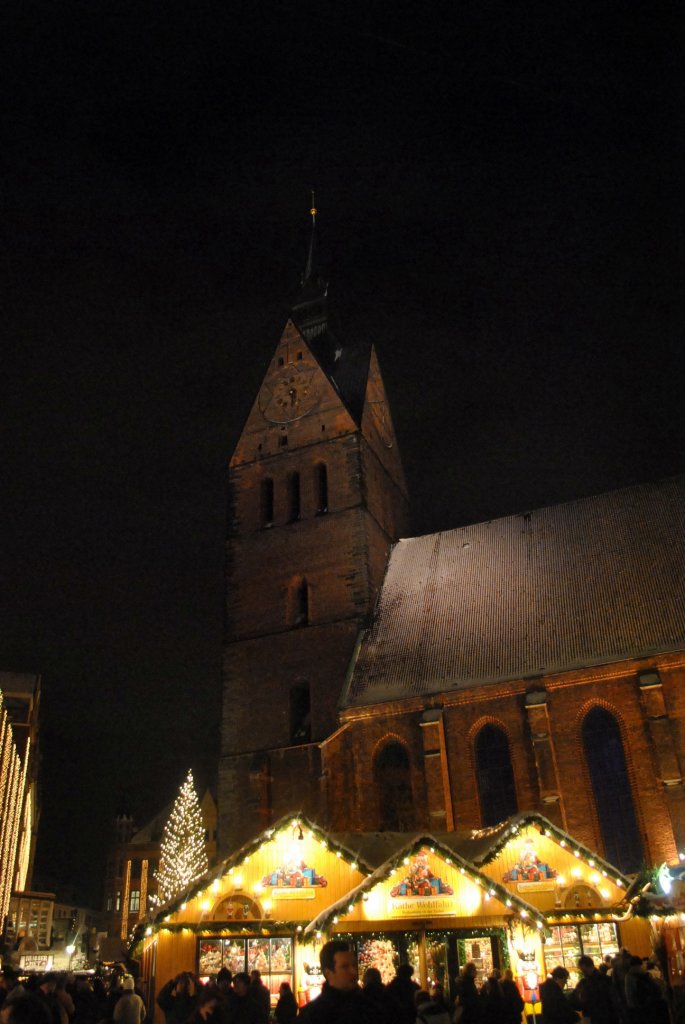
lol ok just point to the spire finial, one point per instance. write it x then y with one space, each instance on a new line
310 267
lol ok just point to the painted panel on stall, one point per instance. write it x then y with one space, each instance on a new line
550 876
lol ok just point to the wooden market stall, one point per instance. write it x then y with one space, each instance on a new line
523 894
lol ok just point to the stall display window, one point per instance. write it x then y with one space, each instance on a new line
209 960
272 957
383 954
436 961
566 943
234 955
479 952
412 955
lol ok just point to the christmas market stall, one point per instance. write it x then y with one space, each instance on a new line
523 894
248 912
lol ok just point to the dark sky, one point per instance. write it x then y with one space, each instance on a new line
500 191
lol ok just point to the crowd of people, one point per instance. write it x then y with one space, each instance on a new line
53 998
622 990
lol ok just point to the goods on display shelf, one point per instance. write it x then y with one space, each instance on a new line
272 957
479 952
566 943
258 955
234 956
380 953
209 961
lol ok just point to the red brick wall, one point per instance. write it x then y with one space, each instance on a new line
349 757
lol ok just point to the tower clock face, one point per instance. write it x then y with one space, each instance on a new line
381 422
289 396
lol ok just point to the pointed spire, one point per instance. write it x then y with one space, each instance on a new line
309 308
310 266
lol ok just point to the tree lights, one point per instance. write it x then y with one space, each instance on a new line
183 854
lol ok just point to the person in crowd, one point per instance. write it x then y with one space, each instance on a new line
86 1007
512 1000
64 996
468 1009
286 1007
341 1000
492 999
130 1008
46 991
244 1009
595 994
227 995
606 965
377 994
209 1008
403 988
10 986
643 996
27 1009
261 997
619 972
178 998
430 1011
556 1008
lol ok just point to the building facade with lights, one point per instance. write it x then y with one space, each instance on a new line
444 682
19 706
506 698
132 862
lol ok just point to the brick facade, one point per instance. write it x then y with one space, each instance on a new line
348 761
302 581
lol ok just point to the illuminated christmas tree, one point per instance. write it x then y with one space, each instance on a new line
183 857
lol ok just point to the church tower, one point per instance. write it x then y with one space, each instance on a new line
316 497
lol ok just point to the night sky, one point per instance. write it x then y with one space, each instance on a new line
500 189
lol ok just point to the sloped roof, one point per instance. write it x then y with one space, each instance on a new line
574 585
410 845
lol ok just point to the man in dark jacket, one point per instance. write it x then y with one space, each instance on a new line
341 1000
595 994
556 1008
260 996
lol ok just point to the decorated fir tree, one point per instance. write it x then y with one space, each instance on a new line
183 857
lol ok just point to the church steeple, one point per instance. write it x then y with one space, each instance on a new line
309 312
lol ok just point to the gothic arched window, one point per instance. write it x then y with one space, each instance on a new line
606 761
267 502
321 488
300 714
302 604
494 776
293 497
392 773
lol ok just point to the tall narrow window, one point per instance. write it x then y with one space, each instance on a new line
293 497
393 787
494 776
267 502
606 761
321 488
302 604
300 714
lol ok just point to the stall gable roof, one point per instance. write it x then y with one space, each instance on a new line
478 846
451 856
289 821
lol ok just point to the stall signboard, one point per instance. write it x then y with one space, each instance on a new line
427 885
39 962
551 874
